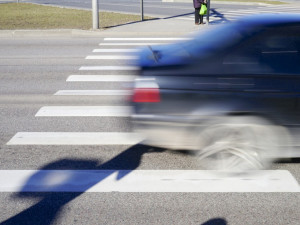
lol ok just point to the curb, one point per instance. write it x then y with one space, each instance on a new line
78 33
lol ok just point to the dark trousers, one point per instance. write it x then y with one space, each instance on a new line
198 18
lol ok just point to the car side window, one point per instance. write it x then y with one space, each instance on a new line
275 50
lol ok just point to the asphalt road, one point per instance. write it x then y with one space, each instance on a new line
151 7
31 72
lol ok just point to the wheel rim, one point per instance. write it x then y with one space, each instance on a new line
237 146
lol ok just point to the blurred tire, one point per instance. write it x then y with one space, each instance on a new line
240 143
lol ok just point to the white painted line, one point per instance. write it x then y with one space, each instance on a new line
128 44
85 111
145 39
212 19
229 14
144 181
110 57
109 68
265 10
278 7
185 18
243 13
101 78
93 92
115 50
75 138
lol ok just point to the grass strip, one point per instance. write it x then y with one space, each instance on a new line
31 16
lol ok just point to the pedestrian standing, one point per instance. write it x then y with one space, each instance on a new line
197 6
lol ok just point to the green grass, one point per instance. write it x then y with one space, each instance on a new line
271 2
32 16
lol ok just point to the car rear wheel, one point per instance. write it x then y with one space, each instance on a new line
240 143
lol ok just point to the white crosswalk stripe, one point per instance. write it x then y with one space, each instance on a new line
111 57
75 138
85 111
130 44
144 181
145 39
100 78
104 50
93 92
113 68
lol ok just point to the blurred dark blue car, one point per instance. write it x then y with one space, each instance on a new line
231 93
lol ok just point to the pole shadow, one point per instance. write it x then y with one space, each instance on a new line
124 24
145 20
52 201
218 17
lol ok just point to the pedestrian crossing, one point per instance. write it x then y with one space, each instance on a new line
75 138
100 78
94 92
120 180
217 16
108 68
130 44
110 57
144 181
114 50
84 111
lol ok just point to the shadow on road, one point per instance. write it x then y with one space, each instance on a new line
135 22
180 15
218 17
124 24
52 201
216 221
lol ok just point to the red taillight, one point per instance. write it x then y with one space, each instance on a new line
146 95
